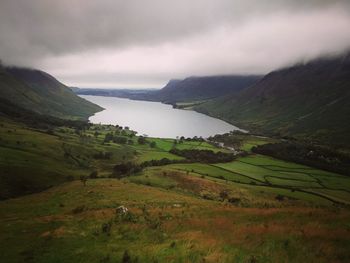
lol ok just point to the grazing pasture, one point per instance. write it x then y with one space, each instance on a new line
253 209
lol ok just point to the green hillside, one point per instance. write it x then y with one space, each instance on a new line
309 100
39 92
253 209
203 88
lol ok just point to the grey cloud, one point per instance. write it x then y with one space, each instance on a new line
39 32
31 28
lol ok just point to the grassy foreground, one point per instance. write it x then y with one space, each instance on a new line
76 223
254 209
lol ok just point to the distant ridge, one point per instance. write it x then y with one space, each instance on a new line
203 88
186 90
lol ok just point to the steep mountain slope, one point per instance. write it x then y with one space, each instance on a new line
38 91
310 100
202 88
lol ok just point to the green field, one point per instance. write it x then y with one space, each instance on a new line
253 209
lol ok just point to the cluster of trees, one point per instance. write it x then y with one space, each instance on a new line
143 140
129 168
126 169
103 155
117 139
161 162
233 139
194 139
109 127
126 139
316 156
204 156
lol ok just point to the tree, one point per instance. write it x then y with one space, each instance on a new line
141 140
120 140
153 144
108 137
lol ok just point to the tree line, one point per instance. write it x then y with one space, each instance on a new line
204 156
311 155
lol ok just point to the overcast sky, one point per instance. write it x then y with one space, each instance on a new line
144 43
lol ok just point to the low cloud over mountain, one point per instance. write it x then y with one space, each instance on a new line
132 43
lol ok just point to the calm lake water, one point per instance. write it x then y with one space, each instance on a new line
156 119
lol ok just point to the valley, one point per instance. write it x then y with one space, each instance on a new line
175 131
73 190
306 101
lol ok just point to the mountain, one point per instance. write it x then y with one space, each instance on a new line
309 100
203 88
39 92
137 94
187 90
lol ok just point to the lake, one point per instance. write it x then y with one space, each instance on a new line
156 119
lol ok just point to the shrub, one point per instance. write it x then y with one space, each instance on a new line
234 200
106 228
224 195
79 209
83 179
128 217
279 197
69 177
93 175
126 257
50 132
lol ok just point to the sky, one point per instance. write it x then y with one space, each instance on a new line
143 44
